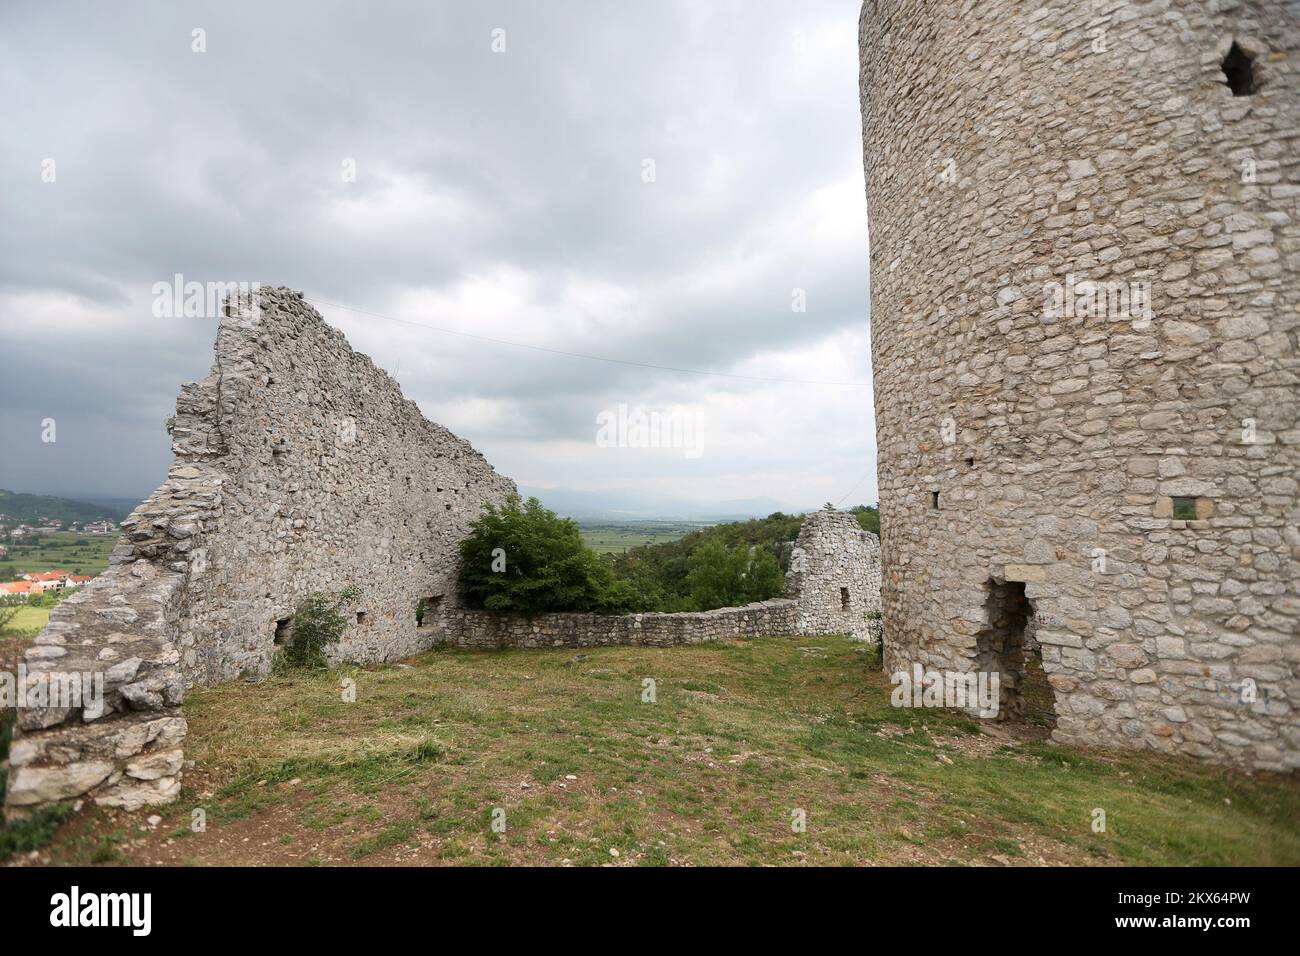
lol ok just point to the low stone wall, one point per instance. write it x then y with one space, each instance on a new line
461 627
103 684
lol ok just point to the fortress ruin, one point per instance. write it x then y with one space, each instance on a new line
1085 251
1085 243
299 467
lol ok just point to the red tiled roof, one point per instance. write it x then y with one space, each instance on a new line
47 576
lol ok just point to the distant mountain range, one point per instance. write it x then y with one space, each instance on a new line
622 503
614 504
32 509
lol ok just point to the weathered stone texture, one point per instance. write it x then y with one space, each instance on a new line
298 467
1007 147
835 575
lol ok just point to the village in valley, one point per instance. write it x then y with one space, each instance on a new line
44 559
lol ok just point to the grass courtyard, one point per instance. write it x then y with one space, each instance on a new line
559 751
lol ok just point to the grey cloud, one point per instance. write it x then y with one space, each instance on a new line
226 165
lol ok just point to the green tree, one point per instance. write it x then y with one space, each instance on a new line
869 517
523 557
729 577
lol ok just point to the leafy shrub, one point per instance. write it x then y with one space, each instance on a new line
541 564
868 516
659 574
317 624
729 577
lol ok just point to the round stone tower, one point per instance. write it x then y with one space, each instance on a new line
1085 323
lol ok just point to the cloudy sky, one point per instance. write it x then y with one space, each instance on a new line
648 183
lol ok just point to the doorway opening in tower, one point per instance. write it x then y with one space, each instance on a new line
1007 644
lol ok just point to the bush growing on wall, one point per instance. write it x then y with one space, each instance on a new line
523 557
318 624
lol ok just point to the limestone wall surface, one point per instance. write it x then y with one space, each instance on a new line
835 576
298 467
323 477
1133 470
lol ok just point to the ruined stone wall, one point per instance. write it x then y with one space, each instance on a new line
835 575
325 477
298 467
1015 153
119 631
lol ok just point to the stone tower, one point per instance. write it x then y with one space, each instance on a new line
1085 278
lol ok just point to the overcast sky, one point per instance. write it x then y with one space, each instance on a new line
499 193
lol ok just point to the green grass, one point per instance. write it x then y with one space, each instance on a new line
33 832
27 622
742 735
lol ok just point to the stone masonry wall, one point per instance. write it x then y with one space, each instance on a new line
298 467
326 478
1134 470
835 575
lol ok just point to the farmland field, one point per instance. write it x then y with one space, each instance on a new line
75 553
615 537
28 621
